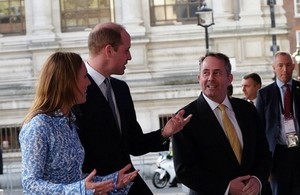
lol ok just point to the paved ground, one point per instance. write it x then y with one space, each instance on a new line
10 181
11 185
166 191
180 190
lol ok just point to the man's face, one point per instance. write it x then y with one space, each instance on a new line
283 68
214 79
250 88
120 57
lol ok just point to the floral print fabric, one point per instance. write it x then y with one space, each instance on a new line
52 157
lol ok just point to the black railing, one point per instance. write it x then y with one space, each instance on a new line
9 138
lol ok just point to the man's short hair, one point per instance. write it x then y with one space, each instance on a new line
253 76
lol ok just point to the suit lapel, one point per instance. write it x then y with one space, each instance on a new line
296 97
97 100
95 92
217 132
242 121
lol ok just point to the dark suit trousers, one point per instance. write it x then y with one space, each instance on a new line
285 173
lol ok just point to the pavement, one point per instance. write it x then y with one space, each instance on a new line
11 185
10 180
180 190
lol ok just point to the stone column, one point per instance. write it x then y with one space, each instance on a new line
132 17
42 28
251 12
223 12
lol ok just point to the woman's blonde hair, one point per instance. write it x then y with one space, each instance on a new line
56 84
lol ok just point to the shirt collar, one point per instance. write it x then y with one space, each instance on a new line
213 105
96 76
280 83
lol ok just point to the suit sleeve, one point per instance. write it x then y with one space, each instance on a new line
262 155
139 143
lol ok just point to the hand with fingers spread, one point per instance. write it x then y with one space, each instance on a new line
125 178
102 187
175 124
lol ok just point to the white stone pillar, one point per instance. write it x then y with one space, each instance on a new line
223 12
132 17
42 28
251 12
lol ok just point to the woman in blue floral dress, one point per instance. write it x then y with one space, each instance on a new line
52 154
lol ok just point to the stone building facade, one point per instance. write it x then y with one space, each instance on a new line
166 46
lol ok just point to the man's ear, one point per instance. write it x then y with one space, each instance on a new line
230 77
108 50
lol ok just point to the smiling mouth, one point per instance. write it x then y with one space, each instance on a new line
211 86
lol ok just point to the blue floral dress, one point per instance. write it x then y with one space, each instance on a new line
52 157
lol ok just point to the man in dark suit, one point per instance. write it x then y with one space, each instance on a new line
221 151
281 125
107 122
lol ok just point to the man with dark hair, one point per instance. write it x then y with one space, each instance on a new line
108 127
251 83
223 149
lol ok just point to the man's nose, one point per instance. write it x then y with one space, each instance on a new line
210 77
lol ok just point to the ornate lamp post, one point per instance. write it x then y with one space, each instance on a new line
205 19
296 55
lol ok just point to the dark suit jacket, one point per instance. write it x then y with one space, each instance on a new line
105 149
203 158
268 106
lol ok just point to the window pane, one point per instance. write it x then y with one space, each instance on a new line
159 13
164 12
12 18
163 119
77 15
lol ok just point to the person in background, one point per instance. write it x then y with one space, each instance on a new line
1 162
52 154
230 90
223 149
108 126
251 83
278 105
